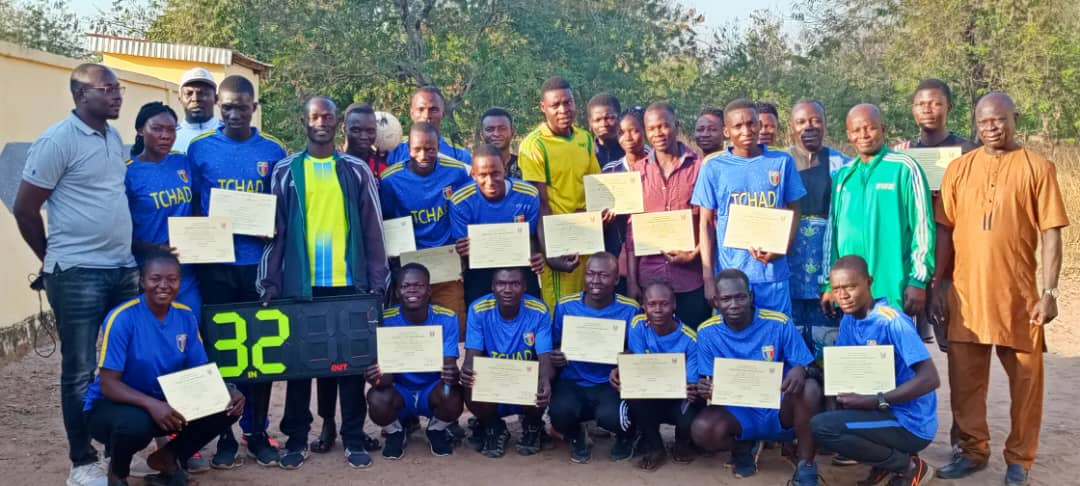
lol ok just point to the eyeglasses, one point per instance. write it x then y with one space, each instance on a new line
108 90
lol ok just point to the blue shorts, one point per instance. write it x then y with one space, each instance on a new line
760 424
774 296
417 400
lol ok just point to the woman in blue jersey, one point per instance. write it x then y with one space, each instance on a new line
158 185
144 338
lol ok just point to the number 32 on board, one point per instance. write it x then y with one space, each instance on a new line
237 344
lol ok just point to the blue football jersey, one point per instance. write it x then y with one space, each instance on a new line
590 374
771 337
437 316
524 338
446 149
425 198
642 338
521 204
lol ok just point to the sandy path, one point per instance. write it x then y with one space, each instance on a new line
32 449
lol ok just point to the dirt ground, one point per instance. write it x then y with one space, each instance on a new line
33 449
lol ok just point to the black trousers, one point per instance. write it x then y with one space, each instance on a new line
127 429
692 308
572 404
649 414
868 436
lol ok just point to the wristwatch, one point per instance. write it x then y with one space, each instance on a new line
1051 292
882 403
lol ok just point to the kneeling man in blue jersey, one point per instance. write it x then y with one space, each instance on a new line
889 429
434 395
743 331
582 392
507 324
659 331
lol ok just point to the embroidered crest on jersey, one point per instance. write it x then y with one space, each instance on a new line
774 177
871 342
768 352
181 342
263 167
529 338
183 175
447 191
519 218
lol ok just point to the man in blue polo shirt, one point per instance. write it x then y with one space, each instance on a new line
493 198
745 331
887 430
421 187
748 174
434 395
583 392
428 105
507 324
236 157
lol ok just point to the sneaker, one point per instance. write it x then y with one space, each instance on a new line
876 476
87 475
744 462
805 474
918 472
327 436
843 461
395 446
197 464
167 479
495 439
682 452
624 447
293 459
475 441
226 456
581 448
531 441
441 441
457 433
1016 475
357 459
273 442
960 467
370 443
260 449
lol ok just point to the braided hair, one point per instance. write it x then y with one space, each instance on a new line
148 111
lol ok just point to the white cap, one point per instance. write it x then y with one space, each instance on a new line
198 75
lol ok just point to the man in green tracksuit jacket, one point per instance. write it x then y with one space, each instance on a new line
881 211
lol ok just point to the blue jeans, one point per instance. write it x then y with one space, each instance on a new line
80 299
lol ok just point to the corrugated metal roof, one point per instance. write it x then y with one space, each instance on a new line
179 52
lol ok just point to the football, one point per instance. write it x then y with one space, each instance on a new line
387 131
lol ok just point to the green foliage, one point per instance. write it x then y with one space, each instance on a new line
47 25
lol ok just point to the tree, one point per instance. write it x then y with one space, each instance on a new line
47 25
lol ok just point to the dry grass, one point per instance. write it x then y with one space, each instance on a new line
1067 160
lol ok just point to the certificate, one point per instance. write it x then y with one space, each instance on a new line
747 383
499 245
202 240
573 234
505 381
659 232
652 375
592 339
409 349
196 392
619 191
398 236
252 213
859 369
934 161
442 262
752 227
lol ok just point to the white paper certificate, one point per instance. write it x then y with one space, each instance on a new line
202 240
592 339
442 262
859 369
196 392
934 161
752 227
747 383
252 213
409 349
619 191
573 234
663 231
499 245
652 375
505 381
398 236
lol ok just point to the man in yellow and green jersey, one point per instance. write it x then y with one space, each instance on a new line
556 157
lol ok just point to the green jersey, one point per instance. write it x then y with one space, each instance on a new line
881 211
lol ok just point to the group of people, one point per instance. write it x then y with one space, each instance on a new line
876 258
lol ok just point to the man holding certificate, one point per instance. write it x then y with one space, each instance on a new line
582 391
435 394
507 324
745 332
659 331
889 429
125 408
746 174
493 198
328 242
